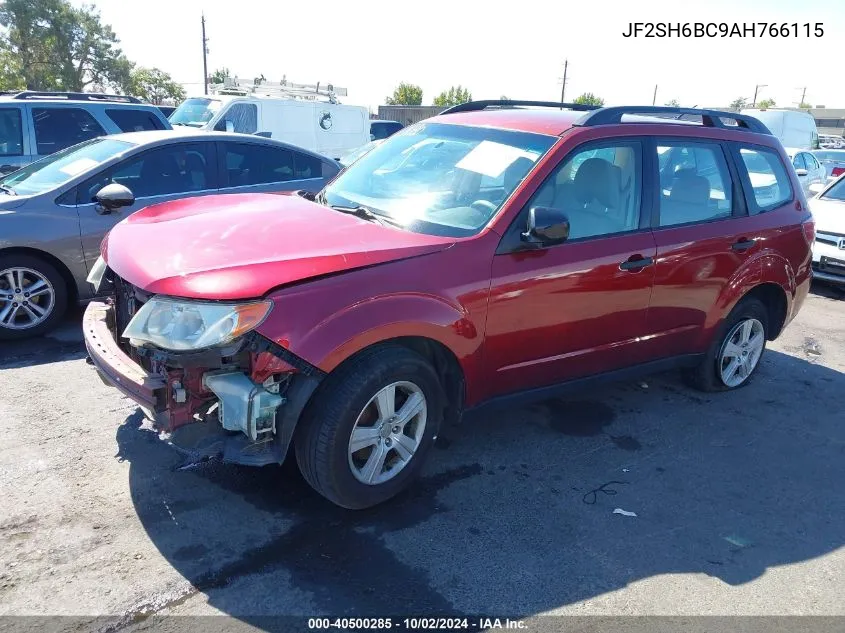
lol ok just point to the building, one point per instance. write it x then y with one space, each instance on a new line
405 114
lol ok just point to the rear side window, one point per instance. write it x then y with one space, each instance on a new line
695 183
11 135
243 116
248 164
798 161
768 179
58 128
306 166
129 120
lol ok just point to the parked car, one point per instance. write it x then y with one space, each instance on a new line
794 128
381 129
829 141
330 129
833 161
36 124
808 169
347 159
828 207
55 212
350 327
167 110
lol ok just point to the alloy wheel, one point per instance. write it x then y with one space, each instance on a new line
741 352
27 298
387 433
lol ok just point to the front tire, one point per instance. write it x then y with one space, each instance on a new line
736 350
366 433
33 297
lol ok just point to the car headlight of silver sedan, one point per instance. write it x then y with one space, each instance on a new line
184 325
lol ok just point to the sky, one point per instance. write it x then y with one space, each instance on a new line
517 50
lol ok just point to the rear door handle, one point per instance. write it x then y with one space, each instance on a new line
743 245
636 262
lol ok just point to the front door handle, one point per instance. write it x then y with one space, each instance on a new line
743 244
636 262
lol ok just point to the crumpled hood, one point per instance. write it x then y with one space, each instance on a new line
828 214
240 246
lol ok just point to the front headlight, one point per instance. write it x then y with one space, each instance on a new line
179 325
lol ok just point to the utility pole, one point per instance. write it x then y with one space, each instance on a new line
803 94
563 83
756 88
654 98
204 59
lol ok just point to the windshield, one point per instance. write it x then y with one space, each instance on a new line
57 169
195 112
439 178
836 191
355 154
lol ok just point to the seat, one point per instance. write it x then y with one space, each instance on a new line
688 199
195 168
159 175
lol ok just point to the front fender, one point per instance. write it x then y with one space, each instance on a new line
360 325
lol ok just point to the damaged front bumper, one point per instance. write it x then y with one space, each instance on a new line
241 402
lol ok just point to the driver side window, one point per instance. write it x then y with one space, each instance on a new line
599 189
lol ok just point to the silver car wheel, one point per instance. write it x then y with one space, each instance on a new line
387 433
741 352
27 298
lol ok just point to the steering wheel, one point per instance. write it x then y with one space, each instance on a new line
485 205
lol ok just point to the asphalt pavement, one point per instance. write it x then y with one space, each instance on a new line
731 504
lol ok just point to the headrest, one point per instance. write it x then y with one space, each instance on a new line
599 180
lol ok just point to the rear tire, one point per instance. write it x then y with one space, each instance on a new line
26 314
736 350
358 398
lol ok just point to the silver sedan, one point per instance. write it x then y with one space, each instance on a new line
55 212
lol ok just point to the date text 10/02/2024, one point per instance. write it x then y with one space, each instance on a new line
724 29
414 624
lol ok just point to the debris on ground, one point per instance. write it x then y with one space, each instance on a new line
738 541
624 513
812 347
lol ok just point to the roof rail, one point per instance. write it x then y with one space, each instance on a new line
473 106
709 118
75 96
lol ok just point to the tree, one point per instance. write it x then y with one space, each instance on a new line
739 103
588 98
219 76
766 103
155 86
453 96
405 94
504 98
673 103
61 47
804 105
11 77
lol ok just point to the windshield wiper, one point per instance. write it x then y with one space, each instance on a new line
8 190
361 212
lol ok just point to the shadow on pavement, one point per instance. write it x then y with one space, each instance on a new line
63 343
515 514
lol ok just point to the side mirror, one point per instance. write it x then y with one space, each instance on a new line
113 197
816 188
546 226
230 127
801 172
372 137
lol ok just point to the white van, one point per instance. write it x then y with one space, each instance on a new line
330 129
794 128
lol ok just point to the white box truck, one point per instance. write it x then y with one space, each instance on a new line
298 114
794 128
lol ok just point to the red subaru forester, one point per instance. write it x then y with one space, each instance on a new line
499 252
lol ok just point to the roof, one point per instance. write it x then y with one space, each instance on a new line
539 121
184 133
